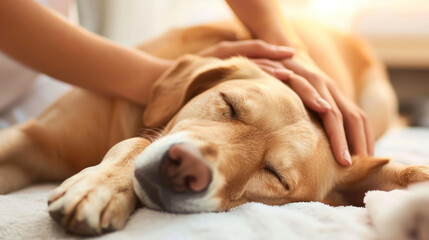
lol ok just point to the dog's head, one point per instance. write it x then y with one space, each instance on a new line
234 134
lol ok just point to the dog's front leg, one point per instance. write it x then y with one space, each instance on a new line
100 198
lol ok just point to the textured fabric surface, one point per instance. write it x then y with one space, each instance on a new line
24 216
402 214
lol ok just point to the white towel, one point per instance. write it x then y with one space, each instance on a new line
23 215
402 214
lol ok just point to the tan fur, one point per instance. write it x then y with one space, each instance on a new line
274 130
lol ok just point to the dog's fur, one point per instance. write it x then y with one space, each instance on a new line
271 150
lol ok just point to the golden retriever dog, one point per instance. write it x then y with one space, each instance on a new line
223 133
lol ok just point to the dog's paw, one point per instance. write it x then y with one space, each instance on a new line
98 199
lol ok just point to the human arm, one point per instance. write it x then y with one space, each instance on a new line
265 21
44 41
47 43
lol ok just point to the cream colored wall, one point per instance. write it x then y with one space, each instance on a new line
132 21
396 28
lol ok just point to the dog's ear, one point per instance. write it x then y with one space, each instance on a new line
366 173
361 168
190 76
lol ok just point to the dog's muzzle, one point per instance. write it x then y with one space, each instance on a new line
175 180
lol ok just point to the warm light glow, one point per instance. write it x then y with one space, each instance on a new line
326 6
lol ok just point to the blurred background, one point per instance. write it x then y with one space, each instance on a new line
398 30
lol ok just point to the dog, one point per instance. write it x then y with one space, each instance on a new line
221 133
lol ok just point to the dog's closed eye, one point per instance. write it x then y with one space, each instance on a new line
233 110
271 170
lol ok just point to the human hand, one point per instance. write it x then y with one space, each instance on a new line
248 48
345 123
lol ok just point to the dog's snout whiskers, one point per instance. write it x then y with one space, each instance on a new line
151 134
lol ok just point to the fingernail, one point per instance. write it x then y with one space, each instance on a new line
347 157
280 72
322 103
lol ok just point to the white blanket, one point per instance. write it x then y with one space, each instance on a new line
402 214
23 214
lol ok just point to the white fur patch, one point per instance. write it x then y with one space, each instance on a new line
148 162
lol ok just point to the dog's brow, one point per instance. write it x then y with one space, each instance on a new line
255 91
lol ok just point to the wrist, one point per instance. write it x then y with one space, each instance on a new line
161 66
276 35
138 91
157 70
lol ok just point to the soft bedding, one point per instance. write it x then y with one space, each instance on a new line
23 214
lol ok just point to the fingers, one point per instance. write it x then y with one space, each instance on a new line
301 86
332 118
308 94
333 123
315 100
355 133
268 63
250 49
330 115
334 128
357 125
270 67
270 71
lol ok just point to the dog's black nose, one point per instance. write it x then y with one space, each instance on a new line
183 169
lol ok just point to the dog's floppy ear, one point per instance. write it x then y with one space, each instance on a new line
366 173
190 76
361 168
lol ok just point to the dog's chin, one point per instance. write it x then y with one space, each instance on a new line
180 204
152 193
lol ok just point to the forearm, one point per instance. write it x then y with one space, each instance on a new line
265 21
44 41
